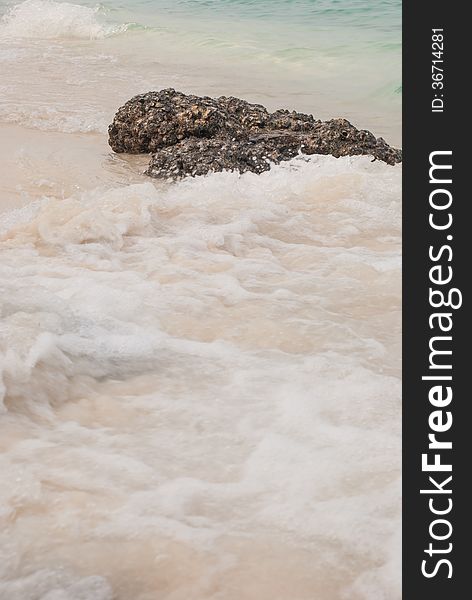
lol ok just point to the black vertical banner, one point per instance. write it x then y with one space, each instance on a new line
437 257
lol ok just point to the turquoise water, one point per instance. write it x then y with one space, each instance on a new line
376 16
350 33
381 16
343 55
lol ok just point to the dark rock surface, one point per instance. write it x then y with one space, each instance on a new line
197 156
190 135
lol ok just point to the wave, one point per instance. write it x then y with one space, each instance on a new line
306 218
46 19
210 356
54 119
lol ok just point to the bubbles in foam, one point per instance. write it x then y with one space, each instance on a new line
56 585
202 388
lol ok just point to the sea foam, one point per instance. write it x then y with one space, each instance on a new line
201 388
46 19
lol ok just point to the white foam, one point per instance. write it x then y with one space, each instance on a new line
203 378
46 19
46 118
56 585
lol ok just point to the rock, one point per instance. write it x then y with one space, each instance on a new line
191 135
339 138
158 119
196 156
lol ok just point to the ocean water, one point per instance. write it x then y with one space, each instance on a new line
326 57
199 381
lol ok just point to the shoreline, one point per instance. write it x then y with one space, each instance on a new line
65 164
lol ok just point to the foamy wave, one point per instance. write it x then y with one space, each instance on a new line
46 19
217 362
53 119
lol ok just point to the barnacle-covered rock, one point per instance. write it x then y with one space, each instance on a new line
197 156
192 135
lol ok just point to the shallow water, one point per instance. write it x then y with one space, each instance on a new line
327 58
200 382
